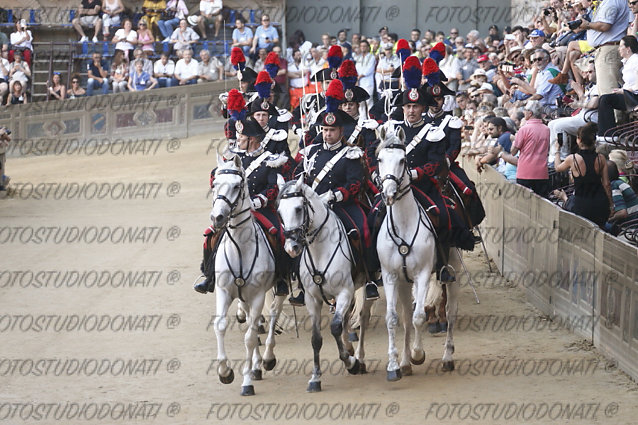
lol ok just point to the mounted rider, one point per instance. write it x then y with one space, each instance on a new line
261 168
335 171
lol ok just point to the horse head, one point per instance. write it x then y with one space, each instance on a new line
292 207
229 190
392 162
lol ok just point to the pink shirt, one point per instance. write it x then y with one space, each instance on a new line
533 142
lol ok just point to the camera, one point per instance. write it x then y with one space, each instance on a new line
548 11
574 24
559 139
507 67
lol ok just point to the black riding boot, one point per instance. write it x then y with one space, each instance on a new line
208 264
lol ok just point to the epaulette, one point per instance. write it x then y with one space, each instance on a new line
284 115
455 122
276 160
435 135
354 152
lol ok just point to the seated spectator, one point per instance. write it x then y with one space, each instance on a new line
98 76
57 90
265 37
497 129
138 54
125 39
153 10
21 41
539 86
4 72
163 71
624 199
4 40
210 68
187 69
260 61
486 65
242 36
532 140
140 80
210 11
625 98
626 168
176 10
119 72
592 191
144 37
76 90
536 40
88 16
19 71
183 37
17 96
111 15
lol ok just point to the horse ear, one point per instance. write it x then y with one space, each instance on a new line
220 159
237 161
298 183
280 181
381 133
401 134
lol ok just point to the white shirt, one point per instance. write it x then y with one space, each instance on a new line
184 71
613 12
5 64
19 75
451 66
630 73
546 89
183 37
210 6
366 66
181 9
127 43
297 83
19 35
160 68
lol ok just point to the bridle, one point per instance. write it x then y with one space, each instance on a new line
234 204
401 190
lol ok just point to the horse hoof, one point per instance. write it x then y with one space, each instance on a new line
314 387
417 361
406 370
434 328
393 375
247 390
448 366
256 375
270 364
443 327
227 379
240 319
362 368
353 337
355 367
261 330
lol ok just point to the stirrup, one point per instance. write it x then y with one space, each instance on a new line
299 300
372 292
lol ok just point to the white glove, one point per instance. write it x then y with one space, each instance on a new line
448 161
299 132
279 135
370 124
256 202
223 98
414 174
327 197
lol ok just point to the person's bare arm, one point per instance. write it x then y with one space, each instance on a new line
596 26
560 165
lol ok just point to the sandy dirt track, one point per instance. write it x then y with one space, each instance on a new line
513 366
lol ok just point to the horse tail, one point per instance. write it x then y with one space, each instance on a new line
435 293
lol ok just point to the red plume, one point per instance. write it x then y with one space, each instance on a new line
237 56
272 58
439 47
335 90
263 77
236 101
335 51
429 66
347 69
403 44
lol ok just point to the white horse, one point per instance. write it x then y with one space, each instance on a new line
244 269
407 251
314 231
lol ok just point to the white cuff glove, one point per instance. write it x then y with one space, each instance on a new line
338 195
327 197
279 135
370 124
414 174
223 98
447 159
256 202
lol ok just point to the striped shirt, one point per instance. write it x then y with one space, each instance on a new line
624 197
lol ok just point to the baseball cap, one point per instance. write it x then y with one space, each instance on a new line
482 58
478 72
537 33
486 86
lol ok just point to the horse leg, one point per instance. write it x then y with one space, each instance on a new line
241 312
314 309
224 370
343 302
421 288
252 368
451 312
276 306
364 319
391 320
347 335
406 316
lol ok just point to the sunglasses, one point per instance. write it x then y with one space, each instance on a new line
141 25
75 81
537 59
632 3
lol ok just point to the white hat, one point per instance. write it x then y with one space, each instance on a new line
486 86
478 72
193 20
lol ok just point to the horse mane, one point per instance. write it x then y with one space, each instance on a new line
391 138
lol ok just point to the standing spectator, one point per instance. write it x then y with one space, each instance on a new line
266 36
125 38
283 99
88 16
315 62
415 37
176 10
97 75
19 71
4 72
57 90
532 140
140 80
111 15
608 26
144 37
366 66
451 67
592 191
210 68
342 40
183 37
153 10
325 41
388 62
21 41
210 11
187 69
242 36
119 72
17 95
625 97
468 65
163 71
139 55
297 79
76 90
